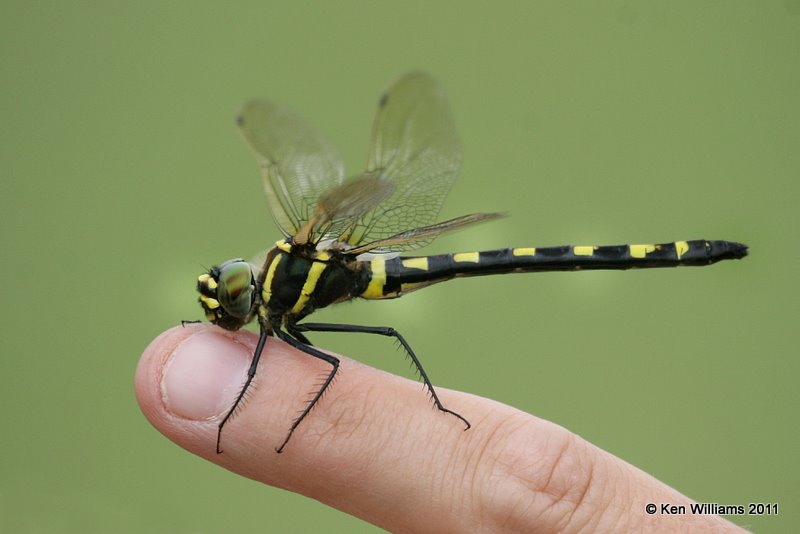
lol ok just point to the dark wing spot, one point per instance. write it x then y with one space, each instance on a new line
240 120
383 100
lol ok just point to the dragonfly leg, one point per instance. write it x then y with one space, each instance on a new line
303 346
297 334
389 332
251 372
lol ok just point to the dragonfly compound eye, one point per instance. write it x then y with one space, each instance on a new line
227 294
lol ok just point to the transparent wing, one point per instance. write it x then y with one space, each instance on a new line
298 165
416 149
342 205
425 234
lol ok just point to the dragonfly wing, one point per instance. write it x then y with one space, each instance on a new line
343 205
298 165
424 234
414 146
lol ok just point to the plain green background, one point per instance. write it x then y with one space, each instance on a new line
590 122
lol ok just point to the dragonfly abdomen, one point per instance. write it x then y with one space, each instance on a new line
391 278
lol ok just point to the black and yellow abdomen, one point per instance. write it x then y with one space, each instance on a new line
393 277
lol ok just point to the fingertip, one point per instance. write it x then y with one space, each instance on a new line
203 374
188 376
148 370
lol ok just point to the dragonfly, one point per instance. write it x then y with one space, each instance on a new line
344 239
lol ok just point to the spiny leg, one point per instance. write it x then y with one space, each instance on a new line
389 332
250 374
311 351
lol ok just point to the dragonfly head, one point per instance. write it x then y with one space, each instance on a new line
228 294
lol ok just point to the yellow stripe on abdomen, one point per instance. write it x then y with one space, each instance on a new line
681 248
377 280
529 251
640 251
416 263
583 250
471 257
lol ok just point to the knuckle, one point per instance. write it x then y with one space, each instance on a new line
527 472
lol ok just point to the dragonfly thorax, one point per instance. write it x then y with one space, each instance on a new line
295 280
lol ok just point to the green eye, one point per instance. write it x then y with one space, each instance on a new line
236 288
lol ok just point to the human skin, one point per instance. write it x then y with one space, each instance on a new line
375 447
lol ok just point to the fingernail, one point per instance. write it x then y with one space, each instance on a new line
204 374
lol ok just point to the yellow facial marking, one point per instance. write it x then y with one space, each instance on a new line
640 251
470 257
584 250
524 252
681 248
283 245
211 304
416 263
311 282
204 278
266 293
375 288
